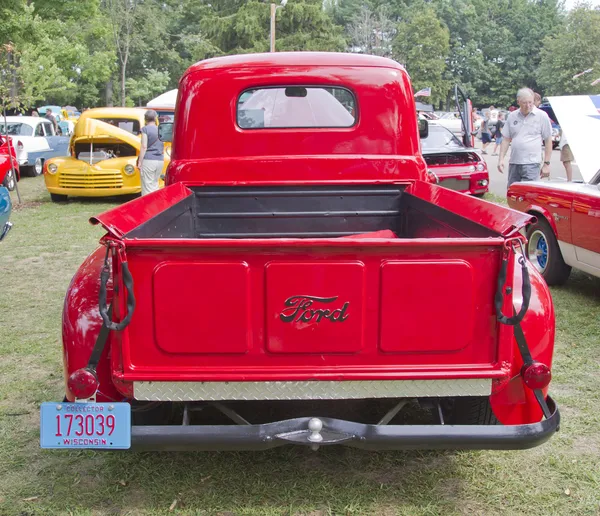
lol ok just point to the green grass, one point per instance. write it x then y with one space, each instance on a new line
37 261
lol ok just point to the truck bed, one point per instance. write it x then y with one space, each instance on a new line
306 212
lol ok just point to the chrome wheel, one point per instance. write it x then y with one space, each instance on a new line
538 251
10 181
38 167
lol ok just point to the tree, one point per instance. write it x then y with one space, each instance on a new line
422 44
146 88
301 25
122 15
371 30
570 52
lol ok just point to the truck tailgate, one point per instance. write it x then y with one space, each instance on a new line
297 312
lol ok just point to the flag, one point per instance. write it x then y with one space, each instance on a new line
425 92
582 73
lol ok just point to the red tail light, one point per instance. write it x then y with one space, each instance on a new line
83 383
536 375
19 144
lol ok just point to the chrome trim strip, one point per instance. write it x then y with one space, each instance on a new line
309 390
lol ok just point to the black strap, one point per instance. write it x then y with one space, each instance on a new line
526 289
528 360
515 321
128 281
100 343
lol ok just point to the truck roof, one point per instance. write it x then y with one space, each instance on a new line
294 59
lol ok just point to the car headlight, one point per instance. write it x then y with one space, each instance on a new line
471 168
129 169
480 166
52 168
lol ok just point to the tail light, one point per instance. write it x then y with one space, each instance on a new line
19 145
536 375
83 383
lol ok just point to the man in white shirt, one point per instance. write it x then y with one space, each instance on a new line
525 129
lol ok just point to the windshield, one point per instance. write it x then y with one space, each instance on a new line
440 137
131 125
16 129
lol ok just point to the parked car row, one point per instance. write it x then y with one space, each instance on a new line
101 157
34 140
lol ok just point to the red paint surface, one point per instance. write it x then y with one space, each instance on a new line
399 278
586 222
573 213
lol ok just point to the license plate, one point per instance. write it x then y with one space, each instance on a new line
85 425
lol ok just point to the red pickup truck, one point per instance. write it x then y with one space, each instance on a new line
300 280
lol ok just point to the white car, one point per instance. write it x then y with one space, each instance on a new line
452 122
35 141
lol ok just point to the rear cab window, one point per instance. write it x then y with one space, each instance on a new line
296 107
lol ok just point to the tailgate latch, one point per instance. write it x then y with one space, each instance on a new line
127 281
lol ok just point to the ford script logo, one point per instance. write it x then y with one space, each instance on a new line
306 309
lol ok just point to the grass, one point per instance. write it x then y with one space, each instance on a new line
37 261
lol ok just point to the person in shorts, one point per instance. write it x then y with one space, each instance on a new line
486 135
498 134
566 156
152 157
524 131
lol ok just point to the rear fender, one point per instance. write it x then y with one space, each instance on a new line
513 403
82 323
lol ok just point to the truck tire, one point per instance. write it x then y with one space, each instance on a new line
544 253
473 411
58 197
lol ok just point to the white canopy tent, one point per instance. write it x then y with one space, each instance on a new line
165 101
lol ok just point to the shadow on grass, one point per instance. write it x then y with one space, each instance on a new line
581 284
334 479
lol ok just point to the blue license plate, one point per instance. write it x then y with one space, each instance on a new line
85 425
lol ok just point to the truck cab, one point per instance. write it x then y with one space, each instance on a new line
300 280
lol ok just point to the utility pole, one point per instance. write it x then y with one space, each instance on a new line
272 37
274 8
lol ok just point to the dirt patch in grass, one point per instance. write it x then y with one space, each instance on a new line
26 205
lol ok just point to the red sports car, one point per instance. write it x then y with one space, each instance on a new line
567 232
455 165
9 169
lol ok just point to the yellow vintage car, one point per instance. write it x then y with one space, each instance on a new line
103 153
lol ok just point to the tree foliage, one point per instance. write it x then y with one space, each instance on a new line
570 52
422 44
80 52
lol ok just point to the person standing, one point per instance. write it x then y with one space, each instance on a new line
151 159
498 133
566 155
52 119
486 134
524 131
